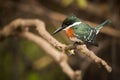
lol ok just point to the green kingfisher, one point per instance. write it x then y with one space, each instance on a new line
78 31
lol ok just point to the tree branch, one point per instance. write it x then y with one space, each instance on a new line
83 49
20 27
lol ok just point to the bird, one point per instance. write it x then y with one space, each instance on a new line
79 31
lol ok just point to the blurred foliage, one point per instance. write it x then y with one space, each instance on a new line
33 76
67 2
31 50
81 3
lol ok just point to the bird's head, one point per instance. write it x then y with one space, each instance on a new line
70 21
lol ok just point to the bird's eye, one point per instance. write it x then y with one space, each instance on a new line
69 23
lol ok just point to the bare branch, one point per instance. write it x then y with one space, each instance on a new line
42 62
20 27
88 61
58 56
83 49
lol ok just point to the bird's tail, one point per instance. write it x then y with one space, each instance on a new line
101 25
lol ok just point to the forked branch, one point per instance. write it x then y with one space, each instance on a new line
20 27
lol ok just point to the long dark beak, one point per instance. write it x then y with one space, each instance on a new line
58 30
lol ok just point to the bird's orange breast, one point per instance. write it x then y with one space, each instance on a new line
70 32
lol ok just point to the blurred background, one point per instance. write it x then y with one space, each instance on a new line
21 59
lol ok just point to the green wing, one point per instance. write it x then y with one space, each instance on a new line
85 33
82 31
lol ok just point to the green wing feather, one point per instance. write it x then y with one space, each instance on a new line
101 25
82 31
86 33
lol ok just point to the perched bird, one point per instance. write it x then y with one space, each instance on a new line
78 31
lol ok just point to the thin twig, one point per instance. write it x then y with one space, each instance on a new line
83 49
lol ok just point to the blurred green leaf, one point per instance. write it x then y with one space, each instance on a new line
67 2
7 63
82 3
33 76
52 73
31 50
